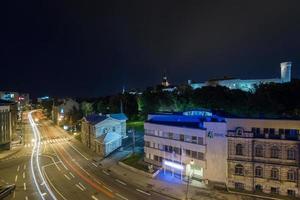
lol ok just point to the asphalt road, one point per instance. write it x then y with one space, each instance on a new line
66 166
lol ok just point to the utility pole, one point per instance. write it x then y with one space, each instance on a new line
133 141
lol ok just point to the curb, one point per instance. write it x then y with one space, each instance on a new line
5 157
253 195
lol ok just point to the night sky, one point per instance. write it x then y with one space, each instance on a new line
92 48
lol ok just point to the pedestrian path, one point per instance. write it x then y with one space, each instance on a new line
49 141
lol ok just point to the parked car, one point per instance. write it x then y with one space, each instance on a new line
6 190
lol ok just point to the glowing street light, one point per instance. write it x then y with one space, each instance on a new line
189 177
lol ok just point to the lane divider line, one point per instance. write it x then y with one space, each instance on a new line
141 191
122 197
121 182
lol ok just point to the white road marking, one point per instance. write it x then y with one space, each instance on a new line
94 164
23 175
24 166
105 172
141 191
107 188
14 195
18 169
122 197
79 187
78 151
26 198
44 194
67 177
71 174
121 182
16 178
95 198
25 186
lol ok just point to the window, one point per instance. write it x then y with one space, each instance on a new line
177 150
188 152
239 131
291 154
194 139
259 151
200 156
259 171
266 130
181 138
256 131
239 186
194 154
281 131
291 193
200 140
170 135
147 144
114 129
239 149
156 158
239 170
274 152
258 188
274 190
275 174
272 131
291 175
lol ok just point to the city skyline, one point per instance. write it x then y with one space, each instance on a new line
79 49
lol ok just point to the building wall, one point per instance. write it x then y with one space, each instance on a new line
5 127
241 133
207 156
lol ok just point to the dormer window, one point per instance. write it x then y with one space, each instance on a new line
239 131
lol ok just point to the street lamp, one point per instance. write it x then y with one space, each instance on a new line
189 177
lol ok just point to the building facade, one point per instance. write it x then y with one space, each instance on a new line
263 155
103 133
248 85
8 120
189 144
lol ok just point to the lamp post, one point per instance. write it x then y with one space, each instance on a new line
189 177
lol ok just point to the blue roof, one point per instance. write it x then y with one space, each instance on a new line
119 116
95 118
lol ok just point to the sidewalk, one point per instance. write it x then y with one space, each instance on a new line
8 153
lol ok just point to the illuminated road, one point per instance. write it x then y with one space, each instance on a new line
70 172
42 186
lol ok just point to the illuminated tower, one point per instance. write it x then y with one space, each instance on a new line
286 68
165 82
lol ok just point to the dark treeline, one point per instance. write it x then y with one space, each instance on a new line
269 100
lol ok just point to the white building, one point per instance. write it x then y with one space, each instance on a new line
248 84
188 144
103 133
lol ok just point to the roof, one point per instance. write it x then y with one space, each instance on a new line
95 118
197 125
5 102
119 116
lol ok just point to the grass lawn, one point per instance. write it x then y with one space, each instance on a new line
137 125
133 161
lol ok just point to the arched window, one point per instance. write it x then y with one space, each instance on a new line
239 149
258 188
239 170
291 154
239 131
258 171
259 151
275 174
291 175
274 152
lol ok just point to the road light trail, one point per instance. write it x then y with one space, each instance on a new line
34 162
